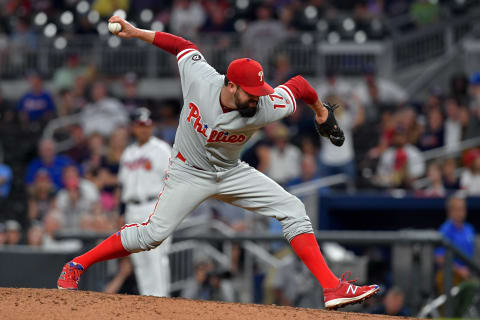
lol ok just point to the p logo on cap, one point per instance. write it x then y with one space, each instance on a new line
248 74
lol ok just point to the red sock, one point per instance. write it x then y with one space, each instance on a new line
306 247
109 248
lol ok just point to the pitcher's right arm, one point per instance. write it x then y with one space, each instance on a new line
192 66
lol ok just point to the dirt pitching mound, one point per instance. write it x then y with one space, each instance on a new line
25 303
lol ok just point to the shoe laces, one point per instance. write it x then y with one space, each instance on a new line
347 275
75 271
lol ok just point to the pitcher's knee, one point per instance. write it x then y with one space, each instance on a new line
142 237
296 222
291 207
157 234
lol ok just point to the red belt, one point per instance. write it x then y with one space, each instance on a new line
181 157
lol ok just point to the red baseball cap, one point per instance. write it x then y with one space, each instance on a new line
248 74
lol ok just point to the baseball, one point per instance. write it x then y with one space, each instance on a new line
114 27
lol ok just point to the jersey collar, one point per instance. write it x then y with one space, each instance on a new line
225 109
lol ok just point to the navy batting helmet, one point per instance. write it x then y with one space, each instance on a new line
141 116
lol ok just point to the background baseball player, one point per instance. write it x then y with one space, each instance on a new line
219 115
142 170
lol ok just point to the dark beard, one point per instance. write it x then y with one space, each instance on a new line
247 112
244 108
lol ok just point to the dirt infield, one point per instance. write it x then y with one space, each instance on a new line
24 303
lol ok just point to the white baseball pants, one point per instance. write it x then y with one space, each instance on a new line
243 186
152 268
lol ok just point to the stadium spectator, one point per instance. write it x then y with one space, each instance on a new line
388 125
470 179
66 103
104 114
435 187
433 133
287 17
450 179
37 104
106 180
187 17
167 127
35 235
453 124
50 161
335 160
78 201
407 118
52 223
400 164
71 101
263 34
393 304
462 235
285 158
64 77
434 100
79 152
217 17
79 92
309 171
96 151
41 197
22 40
14 232
375 93
6 176
424 12
131 100
459 232
282 71
333 85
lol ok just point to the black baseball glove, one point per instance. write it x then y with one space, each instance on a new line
330 129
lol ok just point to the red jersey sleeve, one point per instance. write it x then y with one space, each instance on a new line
301 89
172 43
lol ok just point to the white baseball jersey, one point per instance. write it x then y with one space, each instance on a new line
142 169
207 137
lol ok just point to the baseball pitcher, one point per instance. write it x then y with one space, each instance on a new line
220 113
142 170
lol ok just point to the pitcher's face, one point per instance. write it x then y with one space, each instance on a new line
247 104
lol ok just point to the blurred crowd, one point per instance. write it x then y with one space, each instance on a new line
24 20
62 175
70 174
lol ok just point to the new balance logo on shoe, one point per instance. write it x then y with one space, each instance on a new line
347 293
352 288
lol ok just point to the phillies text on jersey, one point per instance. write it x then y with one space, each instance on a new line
206 136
